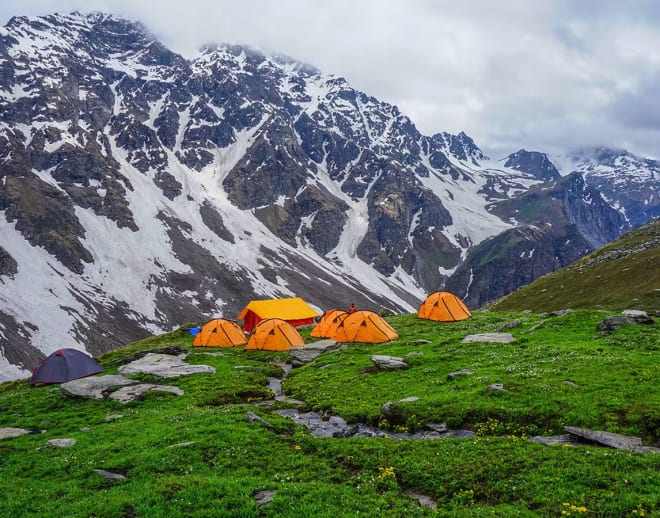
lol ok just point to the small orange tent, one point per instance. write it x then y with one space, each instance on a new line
295 311
364 326
328 323
220 333
274 334
443 306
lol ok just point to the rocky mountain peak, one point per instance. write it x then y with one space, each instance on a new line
533 162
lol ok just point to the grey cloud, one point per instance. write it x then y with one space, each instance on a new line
640 108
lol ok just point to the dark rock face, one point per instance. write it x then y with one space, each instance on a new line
8 265
538 164
627 181
45 216
581 222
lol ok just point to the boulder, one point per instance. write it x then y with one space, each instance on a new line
456 374
175 350
304 355
613 440
500 338
8 433
254 418
61 443
397 412
163 366
610 324
510 325
263 498
635 313
109 476
94 387
133 392
388 363
495 387
561 312
550 440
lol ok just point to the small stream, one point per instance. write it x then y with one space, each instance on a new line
334 426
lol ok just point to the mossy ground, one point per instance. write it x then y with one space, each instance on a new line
613 386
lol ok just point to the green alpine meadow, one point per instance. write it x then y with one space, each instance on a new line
221 448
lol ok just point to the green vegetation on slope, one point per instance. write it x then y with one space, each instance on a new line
622 275
230 459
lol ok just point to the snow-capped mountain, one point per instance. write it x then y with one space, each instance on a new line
628 182
140 190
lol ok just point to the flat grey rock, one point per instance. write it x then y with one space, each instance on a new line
264 497
437 427
8 433
94 387
109 475
510 325
561 312
635 313
423 500
550 440
307 354
163 366
254 418
133 392
113 417
613 440
500 338
61 443
388 363
456 374
495 387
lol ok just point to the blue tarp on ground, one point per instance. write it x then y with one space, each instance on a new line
195 330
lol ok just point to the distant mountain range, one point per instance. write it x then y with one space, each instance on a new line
140 190
624 274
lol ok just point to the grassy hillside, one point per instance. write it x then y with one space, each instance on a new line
622 275
198 455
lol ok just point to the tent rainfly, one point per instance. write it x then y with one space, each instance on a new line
274 334
364 326
220 333
64 365
295 311
328 323
443 306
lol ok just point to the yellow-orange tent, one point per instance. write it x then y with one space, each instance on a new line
220 333
295 311
443 306
274 334
328 323
364 326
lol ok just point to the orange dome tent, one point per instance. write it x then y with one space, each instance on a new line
274 334
443 306
364 326
328 323
220 333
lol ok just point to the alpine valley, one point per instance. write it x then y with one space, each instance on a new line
141 190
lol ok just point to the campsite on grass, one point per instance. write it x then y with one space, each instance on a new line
500 414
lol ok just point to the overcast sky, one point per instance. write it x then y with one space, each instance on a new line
546 75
